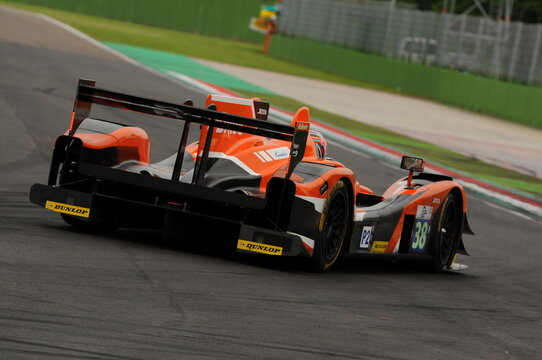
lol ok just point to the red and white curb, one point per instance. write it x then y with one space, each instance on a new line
495 194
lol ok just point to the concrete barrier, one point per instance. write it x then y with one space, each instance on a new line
511 101
229 19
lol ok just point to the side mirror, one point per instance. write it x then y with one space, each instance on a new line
412 163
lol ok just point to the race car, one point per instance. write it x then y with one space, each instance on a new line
268 188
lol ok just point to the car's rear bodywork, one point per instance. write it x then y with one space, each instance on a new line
270 186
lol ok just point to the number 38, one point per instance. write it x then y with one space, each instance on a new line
421 230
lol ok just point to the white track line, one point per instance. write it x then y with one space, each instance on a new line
98 44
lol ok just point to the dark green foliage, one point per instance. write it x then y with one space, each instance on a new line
529 11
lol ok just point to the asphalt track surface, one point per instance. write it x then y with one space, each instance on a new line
133 295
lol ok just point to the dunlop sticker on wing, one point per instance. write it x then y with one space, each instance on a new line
259 248
68 209
379 246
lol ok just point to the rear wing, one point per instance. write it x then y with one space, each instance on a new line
88 94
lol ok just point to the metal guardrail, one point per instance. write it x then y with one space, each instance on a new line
500 49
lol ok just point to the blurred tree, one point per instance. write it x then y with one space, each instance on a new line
524 10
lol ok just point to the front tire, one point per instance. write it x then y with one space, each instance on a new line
333 228
446 235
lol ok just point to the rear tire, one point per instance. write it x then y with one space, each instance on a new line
445 235
333 228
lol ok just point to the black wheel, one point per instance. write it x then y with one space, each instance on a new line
445 235
333 228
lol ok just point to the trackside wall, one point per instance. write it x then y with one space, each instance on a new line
512 101
227 19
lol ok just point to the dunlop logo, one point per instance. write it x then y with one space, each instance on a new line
259 248
379 246
68 209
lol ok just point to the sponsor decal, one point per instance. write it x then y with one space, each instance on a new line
273 154
436 201
279 153
379 246
424 212
258 247
261 110
422 227
226 131
68 209
303 126
366 235
295 150
324 188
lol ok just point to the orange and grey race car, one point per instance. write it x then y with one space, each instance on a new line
270 186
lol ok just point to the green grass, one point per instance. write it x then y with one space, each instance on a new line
199 46
434 153
250 55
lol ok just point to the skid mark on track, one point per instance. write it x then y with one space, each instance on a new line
79 353
161 288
